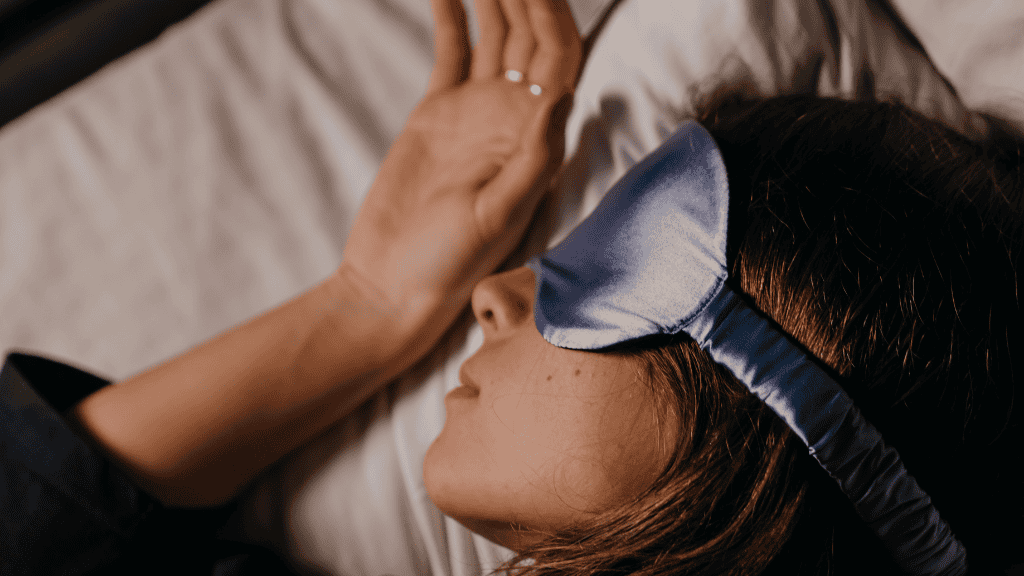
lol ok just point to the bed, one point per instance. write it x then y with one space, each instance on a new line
212 172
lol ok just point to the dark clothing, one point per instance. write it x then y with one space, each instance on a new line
66 509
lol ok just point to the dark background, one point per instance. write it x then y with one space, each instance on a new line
48 45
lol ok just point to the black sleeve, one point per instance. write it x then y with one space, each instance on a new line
66 509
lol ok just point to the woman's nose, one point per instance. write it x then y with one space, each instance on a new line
503 302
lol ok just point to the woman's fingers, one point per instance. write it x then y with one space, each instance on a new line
489 54
506 39
520 43
509 199
451 45
559 49
537 38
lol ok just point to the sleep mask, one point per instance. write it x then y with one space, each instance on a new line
651 259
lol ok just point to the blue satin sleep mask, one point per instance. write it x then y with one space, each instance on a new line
651 259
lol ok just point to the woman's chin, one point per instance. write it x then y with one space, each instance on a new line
500 533
442 482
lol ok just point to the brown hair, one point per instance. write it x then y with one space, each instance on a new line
886 244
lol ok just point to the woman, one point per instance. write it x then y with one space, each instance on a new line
650 458
885 244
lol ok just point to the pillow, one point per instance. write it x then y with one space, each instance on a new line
978 46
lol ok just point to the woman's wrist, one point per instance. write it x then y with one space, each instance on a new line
355 298
351 297
410 324
196 429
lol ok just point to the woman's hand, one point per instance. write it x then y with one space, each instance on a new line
462 181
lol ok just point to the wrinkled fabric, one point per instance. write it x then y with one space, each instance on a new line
65 509
651 259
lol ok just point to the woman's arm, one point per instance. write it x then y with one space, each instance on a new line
196 429
450 202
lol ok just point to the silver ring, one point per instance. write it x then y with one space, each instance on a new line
514 75
535 89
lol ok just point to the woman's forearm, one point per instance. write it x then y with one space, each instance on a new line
196 429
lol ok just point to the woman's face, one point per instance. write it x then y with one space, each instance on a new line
550 437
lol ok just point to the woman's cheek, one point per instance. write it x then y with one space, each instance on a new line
517 415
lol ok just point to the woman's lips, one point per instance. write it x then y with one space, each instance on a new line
465 380
462 392
469 389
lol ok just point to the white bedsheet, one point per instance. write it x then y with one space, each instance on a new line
213 174
978 45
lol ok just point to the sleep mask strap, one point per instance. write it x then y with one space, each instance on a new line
651 259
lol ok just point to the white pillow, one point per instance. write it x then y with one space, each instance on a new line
978 45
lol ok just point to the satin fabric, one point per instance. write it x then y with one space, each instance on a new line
651 259
647 259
